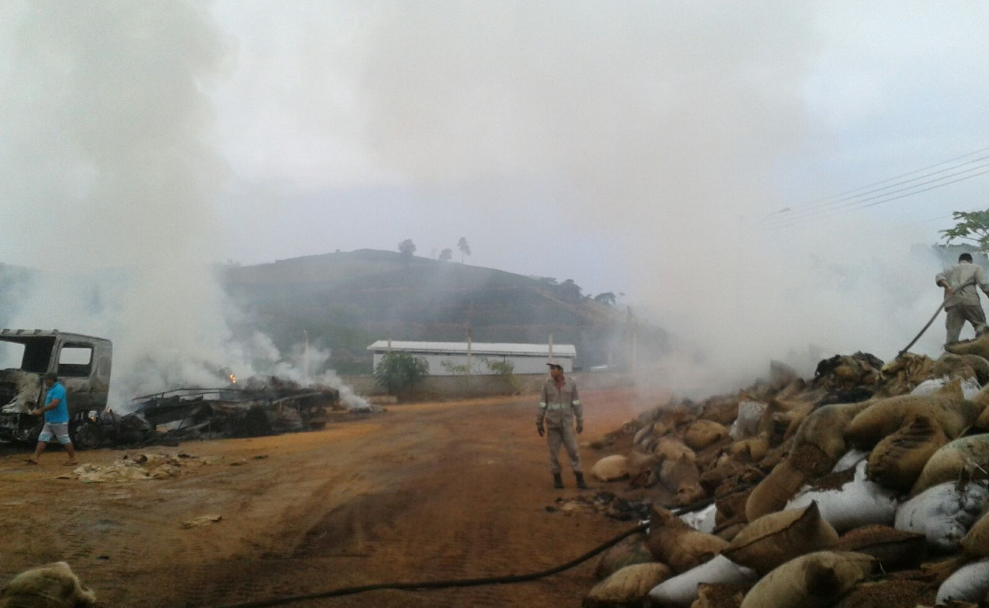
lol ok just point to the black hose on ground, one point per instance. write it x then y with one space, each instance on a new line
477 582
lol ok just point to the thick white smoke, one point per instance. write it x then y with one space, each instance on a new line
661 127
106 145
110 172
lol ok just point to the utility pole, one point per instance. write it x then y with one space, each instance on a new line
551 347
630 328
305 357
470 364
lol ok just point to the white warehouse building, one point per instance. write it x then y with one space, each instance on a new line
527 358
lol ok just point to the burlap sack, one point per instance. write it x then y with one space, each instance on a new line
730 529
631 551
780 419
723 410
638 463
947 406
976 541
720 595
897 461
628 587
817 445
752 449
779 537
669 448
962 366
982 398
825 430
674 474
659 430
816 580
887 594
610 468
703 433
643 435
773 492
46 587
978 346
969 454
894 549
674 543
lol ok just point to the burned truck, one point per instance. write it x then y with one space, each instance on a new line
263 405
82 363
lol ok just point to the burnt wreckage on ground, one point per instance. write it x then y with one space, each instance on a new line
263 405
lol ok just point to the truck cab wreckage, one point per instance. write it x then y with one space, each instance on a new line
82 363
263 405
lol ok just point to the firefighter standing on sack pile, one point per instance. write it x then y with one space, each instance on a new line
558 406
961 299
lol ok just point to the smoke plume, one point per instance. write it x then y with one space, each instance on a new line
109 153
660 127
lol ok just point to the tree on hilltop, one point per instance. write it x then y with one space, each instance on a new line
407 248
464 248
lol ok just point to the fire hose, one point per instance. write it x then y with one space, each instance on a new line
926 327
478 582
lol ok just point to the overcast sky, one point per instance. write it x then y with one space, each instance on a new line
560 138
880 88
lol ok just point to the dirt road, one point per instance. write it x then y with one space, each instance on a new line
425 491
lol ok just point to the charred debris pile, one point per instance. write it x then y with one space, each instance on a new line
263 405
865 486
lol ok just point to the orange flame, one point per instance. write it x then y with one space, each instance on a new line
233 379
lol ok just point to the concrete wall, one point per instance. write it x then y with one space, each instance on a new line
455 387
524 365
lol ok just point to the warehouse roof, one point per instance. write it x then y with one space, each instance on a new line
478 348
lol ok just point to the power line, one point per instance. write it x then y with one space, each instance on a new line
913 192
826 199
857 202
858 197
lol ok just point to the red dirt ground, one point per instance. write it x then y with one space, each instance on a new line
427 491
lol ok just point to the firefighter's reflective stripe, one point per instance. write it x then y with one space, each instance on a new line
542 404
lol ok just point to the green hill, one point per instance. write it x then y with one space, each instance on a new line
346 301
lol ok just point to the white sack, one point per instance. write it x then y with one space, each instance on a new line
747 423
943 513
860 502
703 520
681 591
968 584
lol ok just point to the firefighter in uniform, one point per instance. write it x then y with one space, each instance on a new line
559 407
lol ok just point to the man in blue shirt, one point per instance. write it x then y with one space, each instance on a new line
56 411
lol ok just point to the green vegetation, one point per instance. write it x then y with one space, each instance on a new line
453 369
399 372
506 369
971 226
